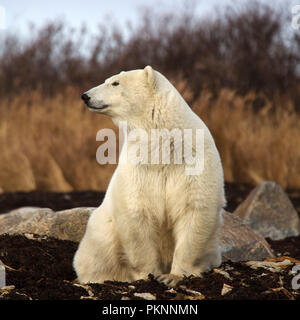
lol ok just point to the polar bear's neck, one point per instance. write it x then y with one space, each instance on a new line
170 110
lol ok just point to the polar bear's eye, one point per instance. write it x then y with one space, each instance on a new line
115 83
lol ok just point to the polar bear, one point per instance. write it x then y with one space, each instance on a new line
155 218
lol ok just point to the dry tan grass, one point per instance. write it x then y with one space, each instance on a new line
254 146
50 144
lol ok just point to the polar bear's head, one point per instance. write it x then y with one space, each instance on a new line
133 96
124 96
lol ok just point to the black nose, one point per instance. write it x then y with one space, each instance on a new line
85 97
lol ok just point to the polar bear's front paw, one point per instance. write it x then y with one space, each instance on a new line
168 279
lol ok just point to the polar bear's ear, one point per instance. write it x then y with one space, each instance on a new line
150 76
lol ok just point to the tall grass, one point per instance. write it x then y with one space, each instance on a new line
50 143
254 146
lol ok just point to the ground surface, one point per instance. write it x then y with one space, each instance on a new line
235 194
41 268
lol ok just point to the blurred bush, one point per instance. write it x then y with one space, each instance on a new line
244 48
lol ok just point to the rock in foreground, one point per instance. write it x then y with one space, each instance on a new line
65 225
269 212
241 243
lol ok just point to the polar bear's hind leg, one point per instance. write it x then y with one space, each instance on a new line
99 256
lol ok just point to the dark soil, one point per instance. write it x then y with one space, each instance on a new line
41 268
53 200
286 247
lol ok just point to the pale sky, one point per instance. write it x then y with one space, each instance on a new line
92 12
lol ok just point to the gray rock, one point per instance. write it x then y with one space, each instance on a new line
269 212
36 220
70 224
66 225
240 243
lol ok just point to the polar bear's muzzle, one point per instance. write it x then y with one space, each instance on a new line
87 100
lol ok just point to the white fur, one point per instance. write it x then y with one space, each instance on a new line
154 218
